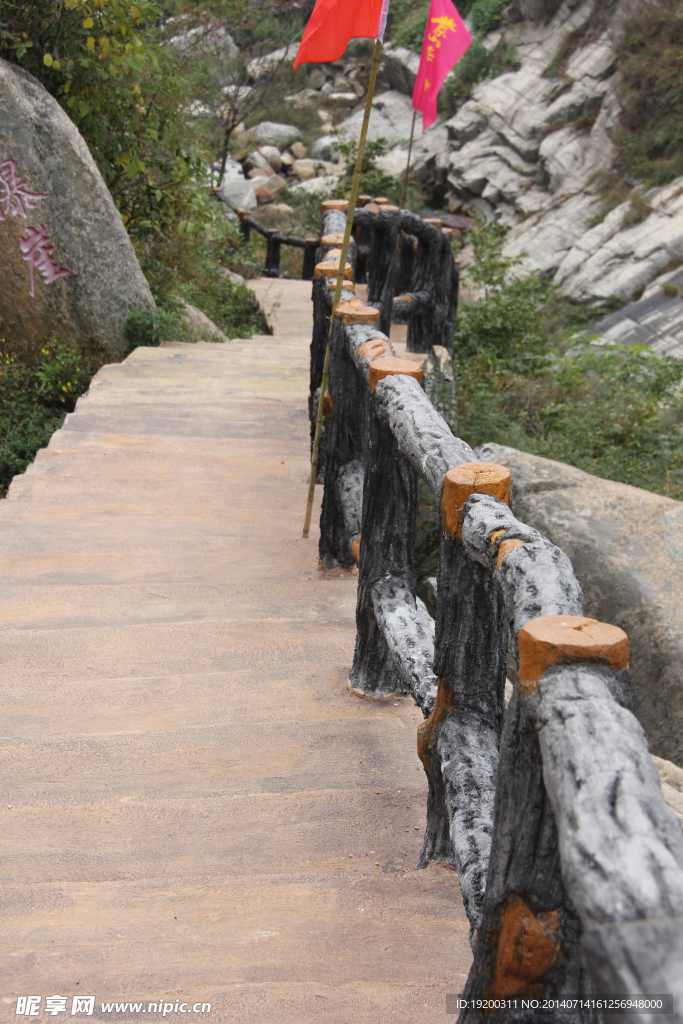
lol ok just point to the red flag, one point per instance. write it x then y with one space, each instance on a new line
445 41
334 22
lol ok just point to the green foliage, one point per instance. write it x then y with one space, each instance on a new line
34 398
406 22
615 411
98 58
192 267
505 325
650 51
486 14
147 329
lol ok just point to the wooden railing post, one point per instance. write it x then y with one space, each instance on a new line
383 223
340 516
322 310
273 254
309 259
407 244
245 227
469 659
529 942
387 548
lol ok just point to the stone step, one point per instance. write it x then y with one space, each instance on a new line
196 807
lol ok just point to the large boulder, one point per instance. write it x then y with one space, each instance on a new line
269 133
400 67
68 265
239 193
392 118
626 546
325 148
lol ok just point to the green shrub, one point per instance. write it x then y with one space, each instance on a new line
145 328
612 410
506 324
486 14
649 141
615 411
188 266
34 398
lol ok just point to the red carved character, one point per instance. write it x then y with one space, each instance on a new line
38 253
15 198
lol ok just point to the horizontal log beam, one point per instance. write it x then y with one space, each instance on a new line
409 634
621 846
350 491
422 434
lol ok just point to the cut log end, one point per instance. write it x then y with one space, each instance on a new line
330 268
465 480
334 204
560 639
388 366
354 311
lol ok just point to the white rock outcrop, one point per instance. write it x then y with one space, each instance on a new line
528 148
392 117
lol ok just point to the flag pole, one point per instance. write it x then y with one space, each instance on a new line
410 149
340 279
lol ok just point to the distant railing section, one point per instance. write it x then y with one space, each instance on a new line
408 262
274 242
570 863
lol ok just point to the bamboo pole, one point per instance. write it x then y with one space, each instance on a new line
340 279
410 149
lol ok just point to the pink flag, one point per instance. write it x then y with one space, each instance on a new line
445 41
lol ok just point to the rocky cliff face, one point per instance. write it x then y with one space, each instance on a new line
529 148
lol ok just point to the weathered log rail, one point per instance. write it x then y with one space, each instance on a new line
570 862
274 242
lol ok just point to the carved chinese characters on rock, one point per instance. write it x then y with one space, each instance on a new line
38 253
17 199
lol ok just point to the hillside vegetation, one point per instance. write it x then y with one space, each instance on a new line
146 84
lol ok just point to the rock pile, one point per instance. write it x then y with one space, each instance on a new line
339 84
279 159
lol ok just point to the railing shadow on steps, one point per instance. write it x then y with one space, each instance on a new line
570 863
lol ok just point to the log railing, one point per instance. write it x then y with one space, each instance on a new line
274 242
570 863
